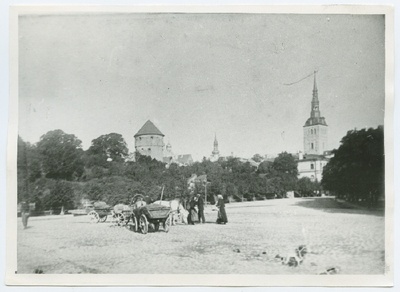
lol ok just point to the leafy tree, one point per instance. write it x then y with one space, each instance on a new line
60 195
113 190
257 158
28 168
285 168
357 169
306 187
61 155
266 168
285 163
107 148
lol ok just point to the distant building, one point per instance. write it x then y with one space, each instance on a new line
250 161
184 159
150 141
215 153
311 166
311 163
181 160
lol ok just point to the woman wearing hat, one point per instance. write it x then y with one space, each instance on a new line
222 218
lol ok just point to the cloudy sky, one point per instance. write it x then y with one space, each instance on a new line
195 75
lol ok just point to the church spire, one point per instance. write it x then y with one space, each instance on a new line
315 90
315 115
215 151
315 102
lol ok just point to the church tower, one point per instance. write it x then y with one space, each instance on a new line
315 129
168 151
215 153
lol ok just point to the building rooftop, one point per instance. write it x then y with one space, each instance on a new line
185 159
149 129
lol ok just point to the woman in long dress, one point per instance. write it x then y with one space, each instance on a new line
192 211
222 218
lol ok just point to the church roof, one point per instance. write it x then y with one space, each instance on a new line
184 159
149 129
315 121
311 157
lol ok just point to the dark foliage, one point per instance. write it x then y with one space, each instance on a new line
356 172
107 148
61 155
57 173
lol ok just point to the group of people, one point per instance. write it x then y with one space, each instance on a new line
198 215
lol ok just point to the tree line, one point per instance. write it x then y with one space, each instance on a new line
56 172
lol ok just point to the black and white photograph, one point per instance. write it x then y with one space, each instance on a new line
217 142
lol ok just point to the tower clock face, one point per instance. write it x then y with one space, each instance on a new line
315 108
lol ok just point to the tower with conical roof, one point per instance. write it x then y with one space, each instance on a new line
315 129
150 141
215 152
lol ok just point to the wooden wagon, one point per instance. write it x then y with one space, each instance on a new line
152 214
100 212
123 214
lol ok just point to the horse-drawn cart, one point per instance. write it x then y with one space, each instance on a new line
152 214
100 212
122 214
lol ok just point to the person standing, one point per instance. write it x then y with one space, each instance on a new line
222 218
25 214
200 206
192 211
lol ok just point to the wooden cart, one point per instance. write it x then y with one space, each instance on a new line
123 214
100 212
152 214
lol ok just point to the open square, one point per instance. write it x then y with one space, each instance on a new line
337 236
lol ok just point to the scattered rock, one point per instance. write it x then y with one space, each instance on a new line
294 259
264 252
330 271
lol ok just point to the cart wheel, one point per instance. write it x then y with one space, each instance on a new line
127 219
167 224
156 226
135 224
103 219
94 217
120 219
144 225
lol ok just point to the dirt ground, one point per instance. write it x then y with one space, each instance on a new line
349 239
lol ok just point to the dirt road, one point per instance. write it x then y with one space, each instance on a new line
349 239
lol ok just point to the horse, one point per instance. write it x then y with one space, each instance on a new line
178 212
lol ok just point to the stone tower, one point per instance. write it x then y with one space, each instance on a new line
315 129
150 141
215 153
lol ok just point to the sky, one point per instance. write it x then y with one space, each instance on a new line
199 75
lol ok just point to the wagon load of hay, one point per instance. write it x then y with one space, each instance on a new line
101 205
